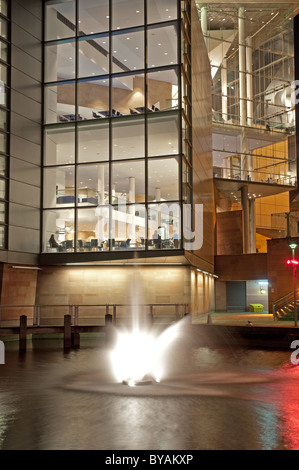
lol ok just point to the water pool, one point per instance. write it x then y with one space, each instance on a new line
212 399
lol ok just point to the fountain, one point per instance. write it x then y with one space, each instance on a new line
160 359
139 354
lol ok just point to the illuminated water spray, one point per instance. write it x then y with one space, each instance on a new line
140 353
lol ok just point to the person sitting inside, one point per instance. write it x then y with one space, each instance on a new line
52 242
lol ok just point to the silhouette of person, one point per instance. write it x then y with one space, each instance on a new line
53 243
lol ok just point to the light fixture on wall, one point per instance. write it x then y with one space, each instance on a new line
263 285
33 268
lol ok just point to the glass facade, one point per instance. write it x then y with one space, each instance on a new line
117 126
4 117
251 50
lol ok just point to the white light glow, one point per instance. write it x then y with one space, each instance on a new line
138 354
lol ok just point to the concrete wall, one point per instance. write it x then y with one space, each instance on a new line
25 140
97 285
241 267
220 296
202 293
229 233
18 287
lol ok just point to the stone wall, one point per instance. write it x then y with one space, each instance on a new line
18 287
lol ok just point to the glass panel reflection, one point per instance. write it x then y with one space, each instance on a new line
93 16
60 19
128 227
3 119
58 230
3 28
128 138
163 179
128 95
59 145
127 13
3 7
93 56
164 222
3 51
2 165
162 90
60 61
93 184
93 142
162 46
3 142
163 135
128 51
2 212
93 229
93 99
128 182
2 237
158 11
59 186
60 103
2 188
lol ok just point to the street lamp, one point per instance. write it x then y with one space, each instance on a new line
293 247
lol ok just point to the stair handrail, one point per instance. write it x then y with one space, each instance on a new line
282 302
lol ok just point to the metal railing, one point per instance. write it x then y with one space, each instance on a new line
89 315
282 303
255 176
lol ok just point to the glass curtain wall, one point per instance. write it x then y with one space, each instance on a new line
113 120
251 49
4 117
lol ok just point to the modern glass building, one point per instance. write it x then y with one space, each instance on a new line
157 136
117 153
251 50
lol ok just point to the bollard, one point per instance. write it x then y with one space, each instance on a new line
108 328
35 315
76 315
23 333
38 315
114 315
209 320
75 338
2 353
176 312
67 332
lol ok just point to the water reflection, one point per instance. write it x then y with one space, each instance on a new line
230 411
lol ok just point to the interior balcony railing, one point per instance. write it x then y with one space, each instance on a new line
257 123
255 176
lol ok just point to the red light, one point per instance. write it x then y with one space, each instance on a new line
293 262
